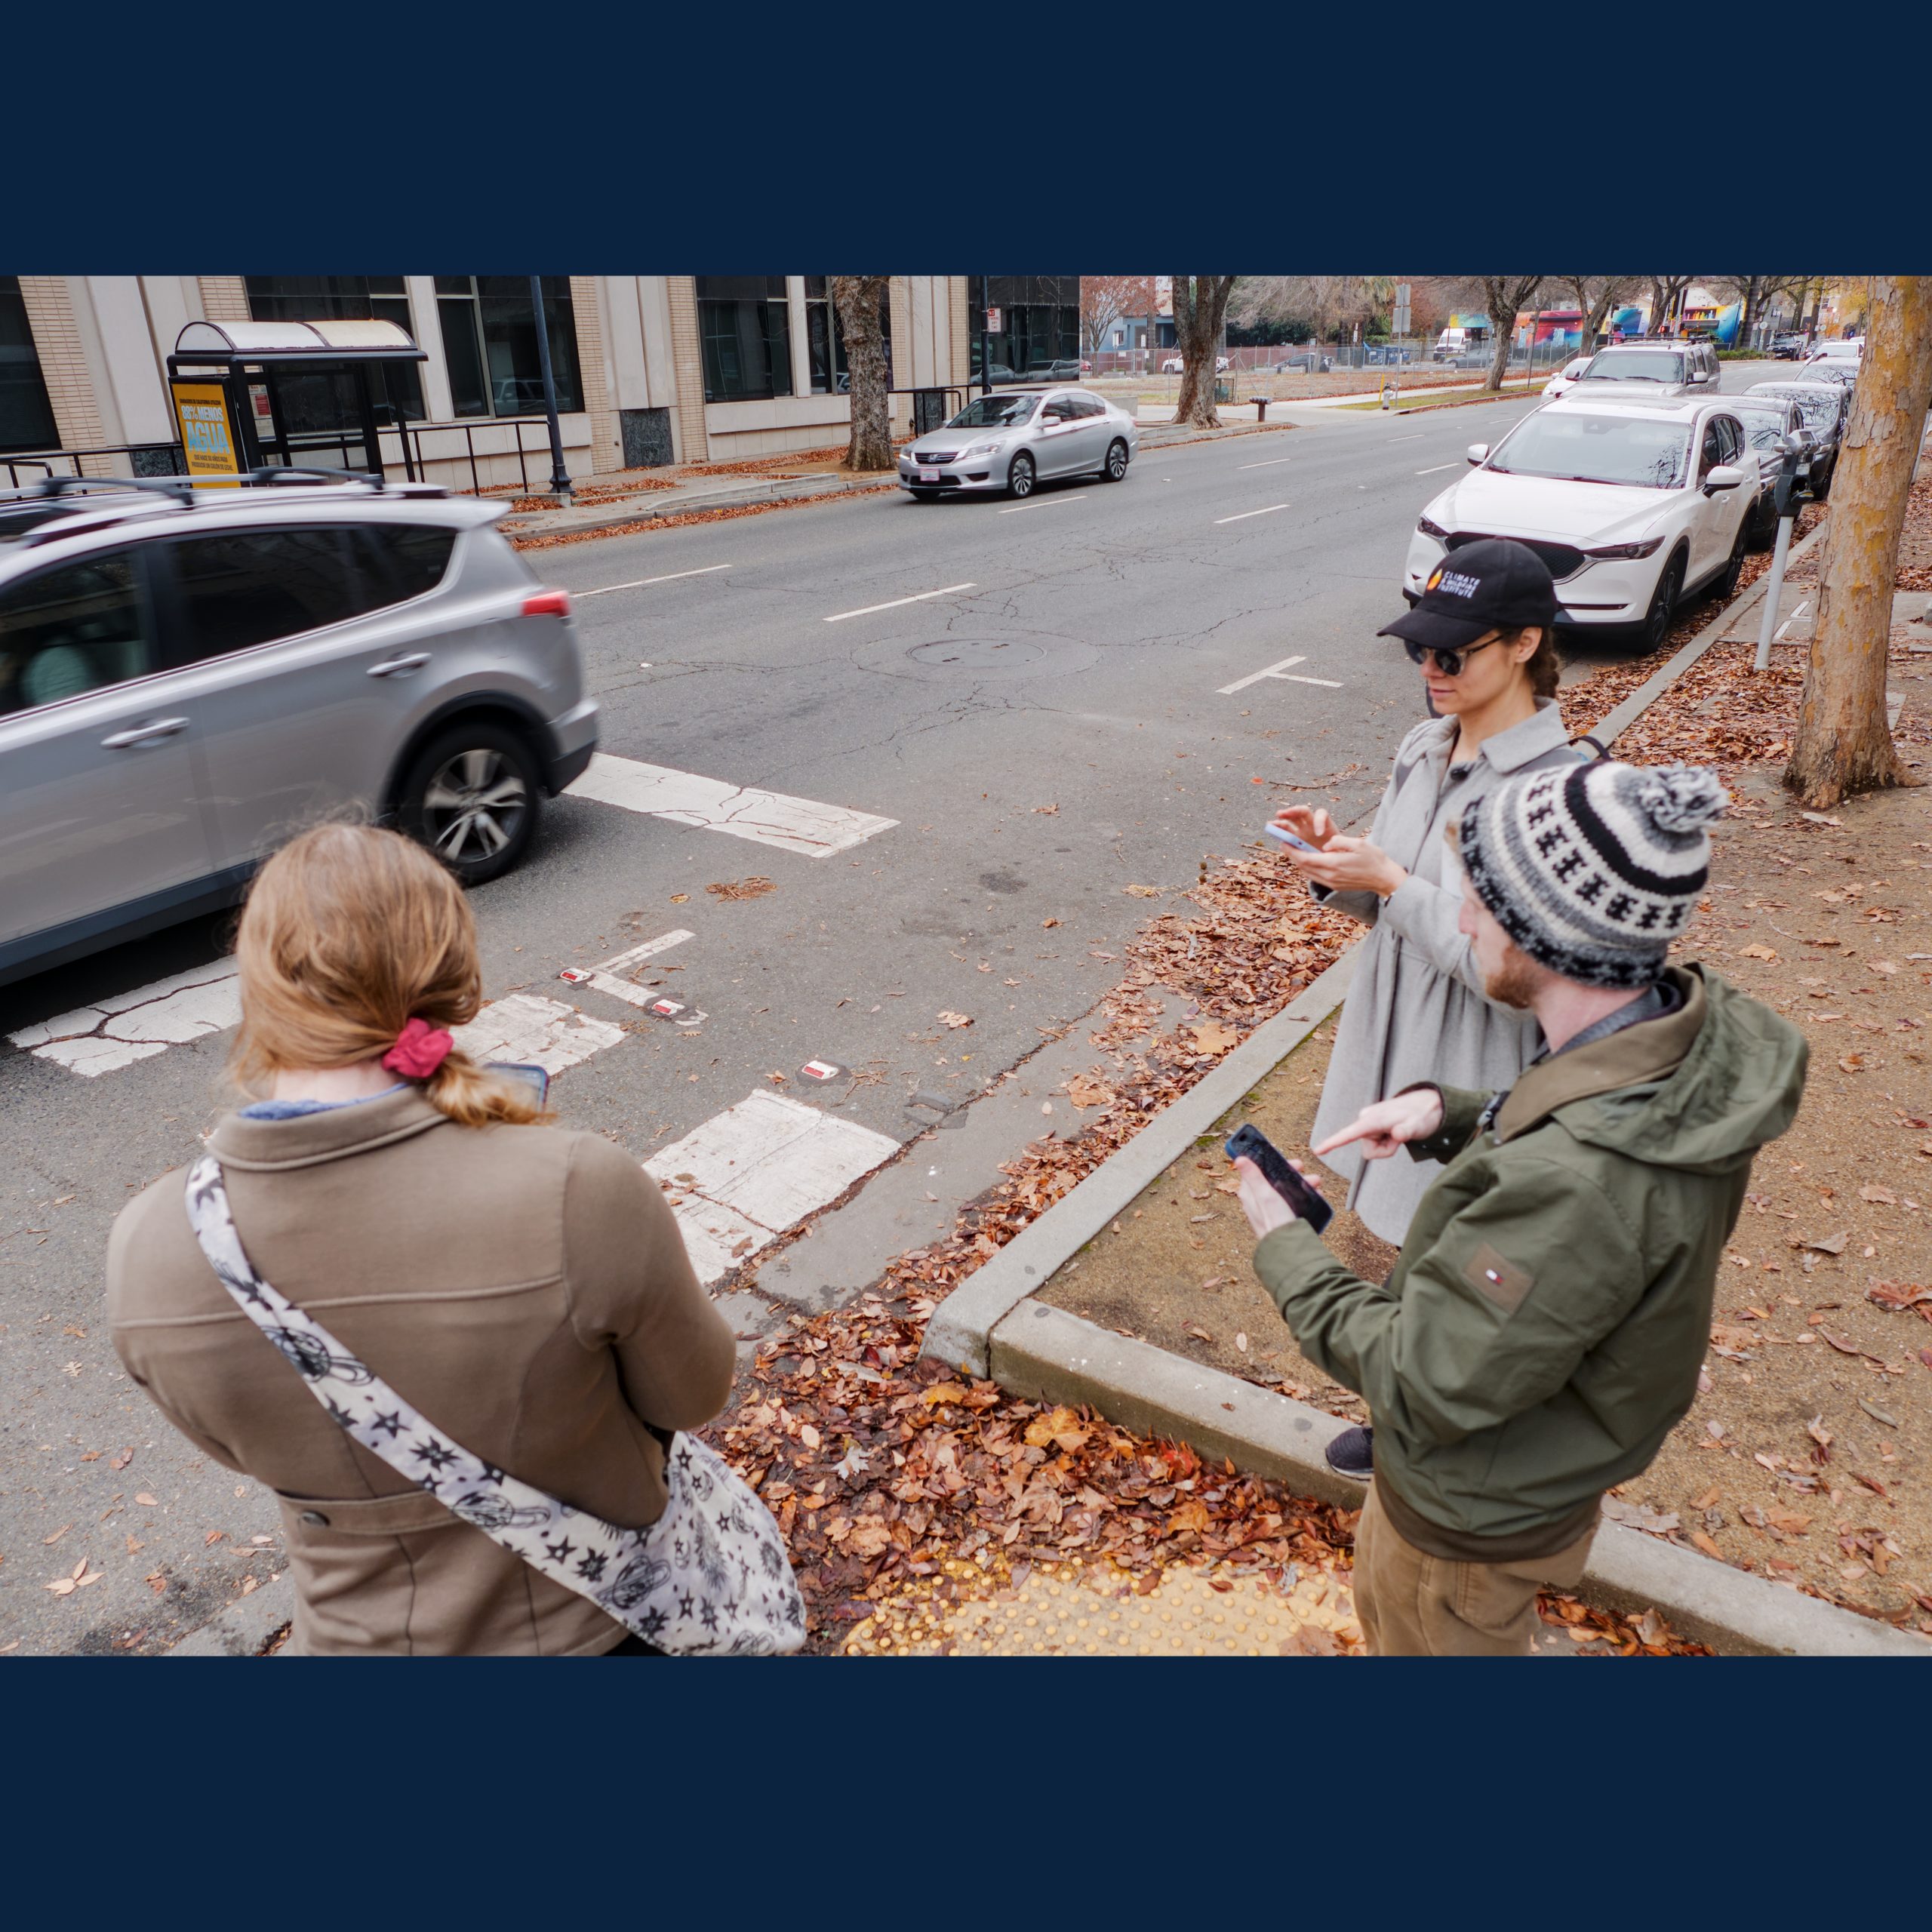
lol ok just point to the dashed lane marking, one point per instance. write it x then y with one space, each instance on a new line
1037 503
1280 671
1245 515
739 1181
772 818
114 1033
1270 464
608 978
645 583
1437 470
924 596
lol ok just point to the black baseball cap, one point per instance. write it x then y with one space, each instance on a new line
1492 585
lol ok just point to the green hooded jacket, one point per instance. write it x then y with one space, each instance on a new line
1543 1330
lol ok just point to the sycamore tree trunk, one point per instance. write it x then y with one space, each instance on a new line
1201 307
1503 296
1842 744
858 299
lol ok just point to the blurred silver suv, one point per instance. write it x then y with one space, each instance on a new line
189 676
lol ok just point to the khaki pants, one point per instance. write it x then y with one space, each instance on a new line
1415 1605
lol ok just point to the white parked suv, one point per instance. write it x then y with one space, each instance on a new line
1634 504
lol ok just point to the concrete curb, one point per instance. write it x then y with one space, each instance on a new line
769 496
958 1331
1046 1355
245 1626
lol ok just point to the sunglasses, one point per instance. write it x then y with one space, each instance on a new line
1449 663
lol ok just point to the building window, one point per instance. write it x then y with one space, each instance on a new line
745 331
350 298
26 418
1039 322
821 333
489 342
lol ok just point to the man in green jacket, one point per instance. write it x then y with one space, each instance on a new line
1543 1329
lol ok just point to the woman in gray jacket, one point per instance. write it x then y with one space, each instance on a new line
1416 1009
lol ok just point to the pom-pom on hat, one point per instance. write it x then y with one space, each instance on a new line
1593 869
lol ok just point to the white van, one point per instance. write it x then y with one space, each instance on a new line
1451 344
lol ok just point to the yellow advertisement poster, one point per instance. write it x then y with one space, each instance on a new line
206 437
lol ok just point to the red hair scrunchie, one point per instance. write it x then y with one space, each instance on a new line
418 1051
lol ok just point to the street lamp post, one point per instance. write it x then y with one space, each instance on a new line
560 479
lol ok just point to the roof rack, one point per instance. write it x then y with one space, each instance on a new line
181 488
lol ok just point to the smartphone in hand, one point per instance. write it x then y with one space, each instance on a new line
536 1077
1287 838
1249 1142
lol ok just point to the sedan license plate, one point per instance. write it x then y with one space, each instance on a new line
929 476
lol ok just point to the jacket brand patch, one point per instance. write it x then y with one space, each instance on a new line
1500 1281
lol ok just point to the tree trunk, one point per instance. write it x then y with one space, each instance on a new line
1842 744
857 298
1200 305
1500 361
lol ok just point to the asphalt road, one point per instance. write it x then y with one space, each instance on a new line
1081 669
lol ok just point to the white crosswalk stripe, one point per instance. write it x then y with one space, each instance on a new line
739 1181
772 818
113 1033
529 1029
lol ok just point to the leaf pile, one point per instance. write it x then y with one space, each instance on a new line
887 1473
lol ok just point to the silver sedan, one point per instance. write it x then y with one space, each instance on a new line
1013 439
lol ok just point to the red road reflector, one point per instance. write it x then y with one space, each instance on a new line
821 1070
576 976
666 1009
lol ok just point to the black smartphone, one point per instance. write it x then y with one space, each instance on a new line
537 1077
1251 1142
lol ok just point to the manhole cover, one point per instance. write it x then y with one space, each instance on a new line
977 654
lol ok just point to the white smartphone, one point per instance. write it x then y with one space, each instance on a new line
1287 838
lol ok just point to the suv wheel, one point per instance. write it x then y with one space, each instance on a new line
471 796
1724 586
1664 602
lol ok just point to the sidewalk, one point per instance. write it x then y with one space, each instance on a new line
637 499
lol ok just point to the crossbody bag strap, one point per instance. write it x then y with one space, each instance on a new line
624 1572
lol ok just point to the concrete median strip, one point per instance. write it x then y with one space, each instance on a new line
991 1326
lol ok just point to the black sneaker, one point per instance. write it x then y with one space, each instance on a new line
1352 1453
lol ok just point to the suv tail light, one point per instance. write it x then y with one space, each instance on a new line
547 604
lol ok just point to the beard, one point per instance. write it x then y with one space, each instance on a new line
1515 982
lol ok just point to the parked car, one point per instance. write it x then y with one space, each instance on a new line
1566 378
1834 361
1066 369
1635 502
1011 441
1789 347
1174 365
1772 424
1672 369
1451 344
1824 405
187 676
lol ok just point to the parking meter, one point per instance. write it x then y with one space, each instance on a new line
1793 487
1791 491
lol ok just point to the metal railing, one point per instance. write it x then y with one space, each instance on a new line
26 467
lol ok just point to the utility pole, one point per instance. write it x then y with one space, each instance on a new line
560 477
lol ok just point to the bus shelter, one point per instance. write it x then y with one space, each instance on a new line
249 395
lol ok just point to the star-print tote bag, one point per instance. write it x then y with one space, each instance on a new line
710 1578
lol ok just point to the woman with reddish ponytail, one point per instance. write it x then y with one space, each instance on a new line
522 1286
